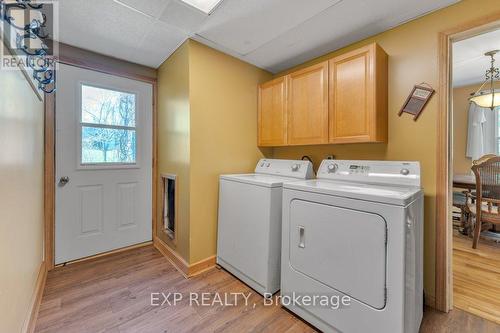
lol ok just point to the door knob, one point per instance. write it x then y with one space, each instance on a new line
63 180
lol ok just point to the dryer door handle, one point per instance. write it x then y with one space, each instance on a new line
302 237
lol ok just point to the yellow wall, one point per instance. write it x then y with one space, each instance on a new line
222 88
207 105
413 58
21 198
223 95
461 164
173 141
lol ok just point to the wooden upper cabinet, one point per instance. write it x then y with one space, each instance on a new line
272 124
343 100
308 105
358 96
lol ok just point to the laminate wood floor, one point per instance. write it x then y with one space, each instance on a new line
476 277
113 294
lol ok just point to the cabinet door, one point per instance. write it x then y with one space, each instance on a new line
272 113
352 97
308 105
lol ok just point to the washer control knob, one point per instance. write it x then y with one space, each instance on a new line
405 172
268 165
332 168
295 167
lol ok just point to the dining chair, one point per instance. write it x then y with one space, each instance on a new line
462 221
486 199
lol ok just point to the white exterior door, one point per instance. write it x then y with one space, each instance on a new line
103 163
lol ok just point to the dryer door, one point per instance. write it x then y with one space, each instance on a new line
342 248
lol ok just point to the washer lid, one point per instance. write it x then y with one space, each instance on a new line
395 195
258 179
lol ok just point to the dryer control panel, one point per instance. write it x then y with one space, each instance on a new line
287 168
374 172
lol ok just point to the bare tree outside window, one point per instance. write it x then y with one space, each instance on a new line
108 126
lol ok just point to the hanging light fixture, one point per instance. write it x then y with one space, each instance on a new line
488 98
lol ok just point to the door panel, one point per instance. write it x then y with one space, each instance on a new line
90 209
342 248
243 230
104 148
308 105
127 202
351 96
272 113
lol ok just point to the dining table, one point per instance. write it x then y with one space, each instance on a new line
468 182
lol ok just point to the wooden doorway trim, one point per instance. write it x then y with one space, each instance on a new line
72 56
444 288
49 176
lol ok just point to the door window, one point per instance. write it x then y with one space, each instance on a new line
107 127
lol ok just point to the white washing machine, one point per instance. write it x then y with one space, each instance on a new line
355 231
249 226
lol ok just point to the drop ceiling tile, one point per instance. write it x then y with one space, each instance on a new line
158 44
182 16
243 25
149 7
336 27
112 30
330 30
